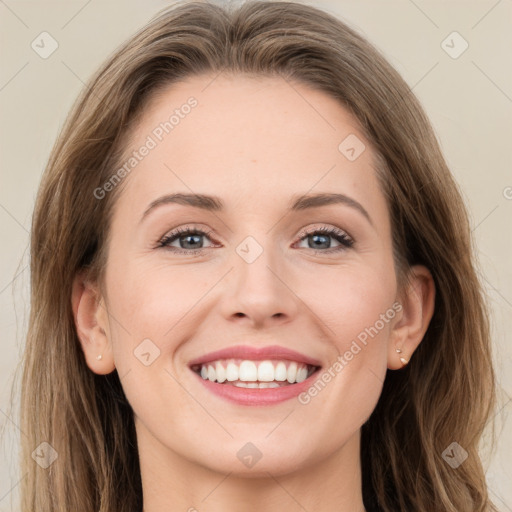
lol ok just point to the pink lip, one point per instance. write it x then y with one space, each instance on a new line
256 354
256 396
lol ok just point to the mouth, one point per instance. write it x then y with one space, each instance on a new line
255 382
255 374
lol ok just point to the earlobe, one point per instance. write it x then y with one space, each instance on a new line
91 323
418 301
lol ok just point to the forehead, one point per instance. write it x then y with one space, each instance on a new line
252 140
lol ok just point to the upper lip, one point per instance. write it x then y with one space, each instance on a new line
256 354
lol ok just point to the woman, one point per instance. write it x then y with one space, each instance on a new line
252 282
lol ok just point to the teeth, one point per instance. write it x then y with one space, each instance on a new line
248 371
292 373
302 374
231 372
260 385
252 374
281 372
268 385
265 371
220 373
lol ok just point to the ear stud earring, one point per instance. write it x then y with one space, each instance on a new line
99 357
402 359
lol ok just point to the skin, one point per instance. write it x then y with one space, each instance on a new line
256 143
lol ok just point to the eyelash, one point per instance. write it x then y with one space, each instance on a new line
346 242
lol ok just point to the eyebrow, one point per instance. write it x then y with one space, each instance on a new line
298 203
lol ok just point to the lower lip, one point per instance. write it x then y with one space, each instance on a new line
257 396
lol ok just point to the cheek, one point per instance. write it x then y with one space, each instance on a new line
150 300
358 306
359 319
144 309
351 301
149 311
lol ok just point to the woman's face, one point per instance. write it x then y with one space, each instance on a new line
255 272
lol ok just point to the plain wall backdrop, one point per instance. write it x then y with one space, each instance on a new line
466 92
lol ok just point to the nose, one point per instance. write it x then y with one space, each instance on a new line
259 294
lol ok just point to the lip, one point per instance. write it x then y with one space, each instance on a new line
256 396
256 354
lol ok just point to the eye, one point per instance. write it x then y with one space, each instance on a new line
319 239
189 240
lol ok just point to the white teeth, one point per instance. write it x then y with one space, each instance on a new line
220 372
254 374
266 371
260 385
248 371
292 372
231 372
281 372
302 374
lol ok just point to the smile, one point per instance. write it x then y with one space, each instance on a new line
251 372
249 382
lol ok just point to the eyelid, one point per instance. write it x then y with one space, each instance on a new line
326 229
183 230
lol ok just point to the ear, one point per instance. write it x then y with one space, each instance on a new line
417 301
91 321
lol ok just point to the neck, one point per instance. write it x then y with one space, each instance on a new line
171 482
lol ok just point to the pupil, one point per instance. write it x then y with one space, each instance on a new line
187 237
325 237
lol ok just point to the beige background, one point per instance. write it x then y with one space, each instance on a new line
468 99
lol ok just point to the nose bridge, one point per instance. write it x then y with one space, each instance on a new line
259 290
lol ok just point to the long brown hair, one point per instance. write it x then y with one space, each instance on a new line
447 392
